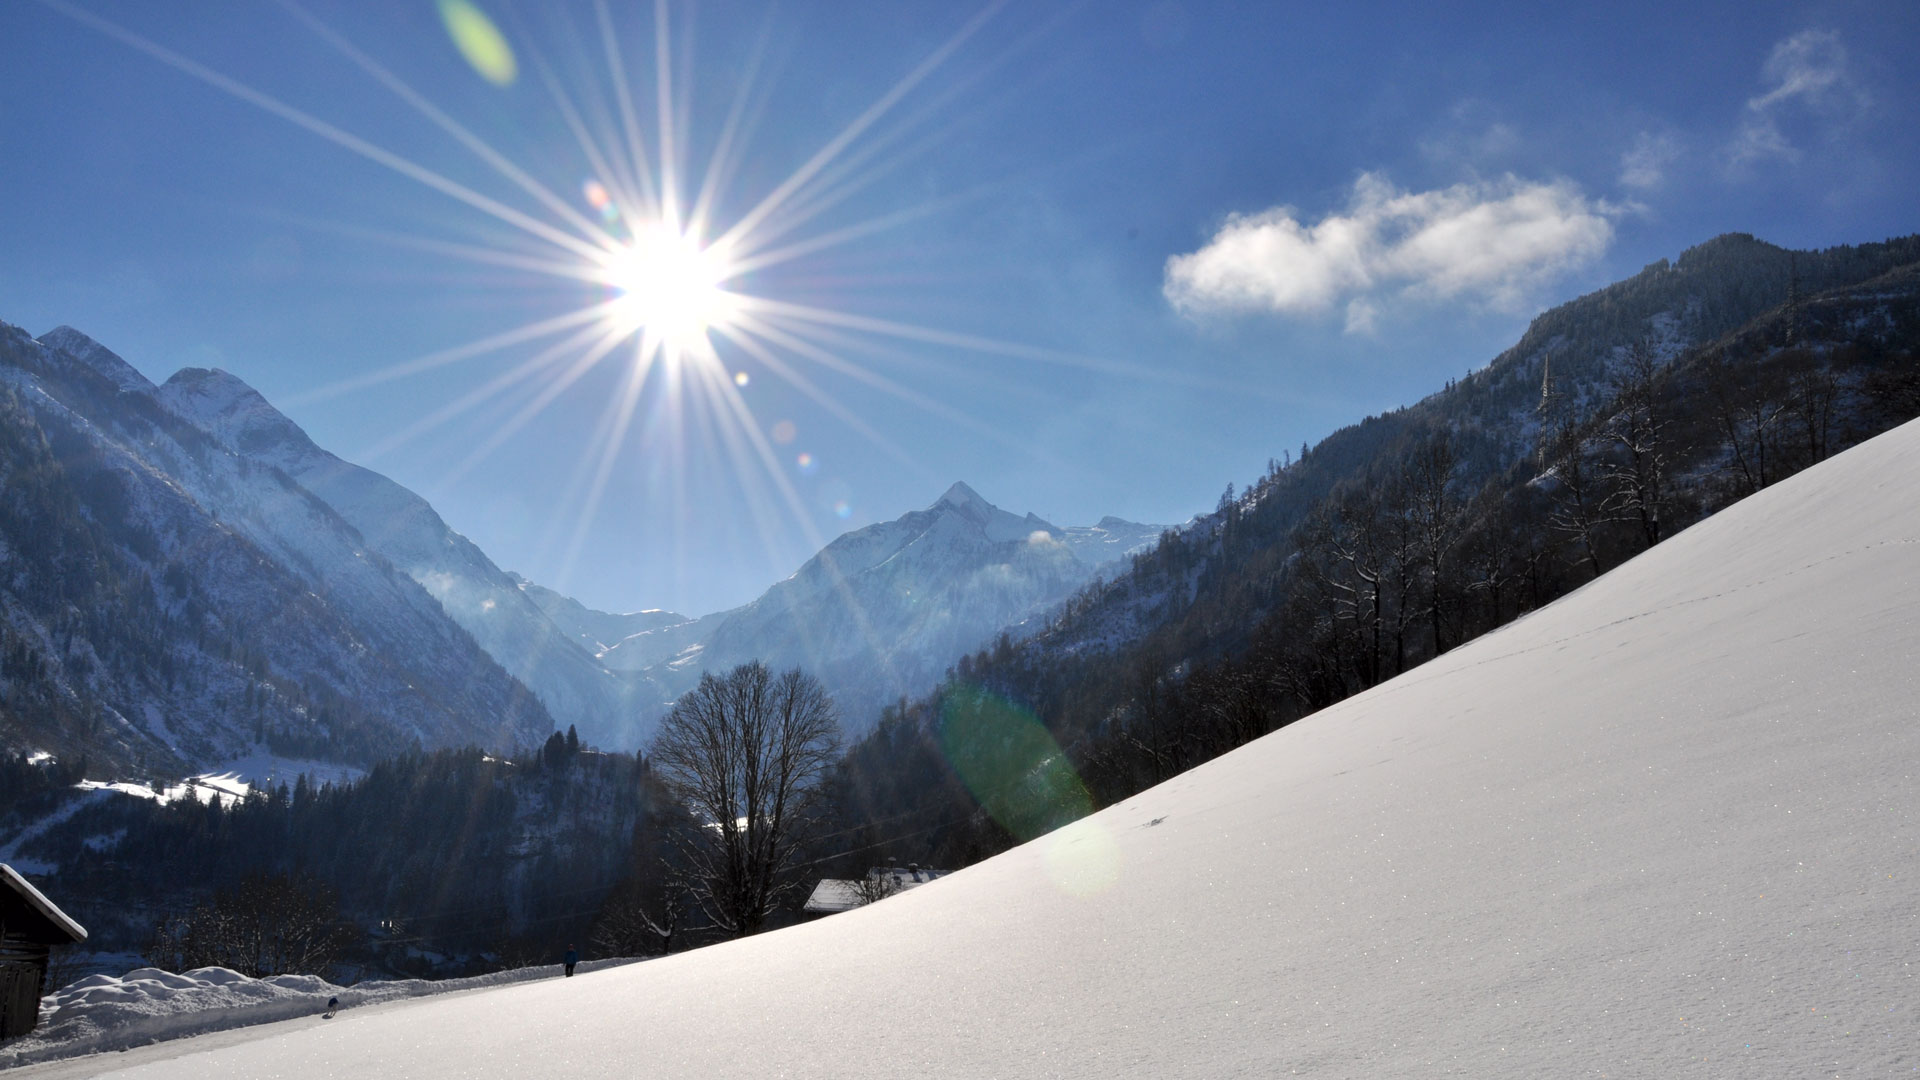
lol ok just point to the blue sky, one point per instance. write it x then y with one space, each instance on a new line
1136 248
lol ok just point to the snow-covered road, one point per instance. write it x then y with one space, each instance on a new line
1667 827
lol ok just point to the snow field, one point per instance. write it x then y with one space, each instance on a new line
1668 826
105 1012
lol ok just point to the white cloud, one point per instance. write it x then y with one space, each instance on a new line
1487 242
1807 71
1644 165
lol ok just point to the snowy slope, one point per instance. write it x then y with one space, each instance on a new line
1668 826
406 531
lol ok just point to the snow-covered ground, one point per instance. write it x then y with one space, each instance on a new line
114 1013
233 780
1666 827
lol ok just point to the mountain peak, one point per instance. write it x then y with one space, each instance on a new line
964 498
222 404
95 356
216 387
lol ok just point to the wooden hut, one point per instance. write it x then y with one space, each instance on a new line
30 926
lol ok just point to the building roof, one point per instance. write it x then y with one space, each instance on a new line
837 894
41 906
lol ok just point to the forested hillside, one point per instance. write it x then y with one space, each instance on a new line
435 863
1618 420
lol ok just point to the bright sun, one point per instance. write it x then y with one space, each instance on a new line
670 287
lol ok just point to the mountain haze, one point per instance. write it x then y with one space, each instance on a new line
485 601
883 611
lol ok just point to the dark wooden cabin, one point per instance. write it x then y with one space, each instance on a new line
30 926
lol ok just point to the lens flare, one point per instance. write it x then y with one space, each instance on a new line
1010 763
480 41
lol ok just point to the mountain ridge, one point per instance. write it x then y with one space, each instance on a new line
208 627
883 610
406 530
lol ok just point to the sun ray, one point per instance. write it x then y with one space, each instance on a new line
623 97
499 162
825 241
663 99
317 126
739 124
613 169
860 168
623 408
749 305
757 484
851 173
793 342
517 336
609 340
572 270
788 374
825 155
724 392
472 399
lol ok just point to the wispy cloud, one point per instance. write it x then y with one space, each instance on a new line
1487 242
1644 165
1806 72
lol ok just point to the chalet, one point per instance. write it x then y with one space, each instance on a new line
833 895
29 928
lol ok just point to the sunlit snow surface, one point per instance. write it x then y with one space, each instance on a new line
1666 827
232 782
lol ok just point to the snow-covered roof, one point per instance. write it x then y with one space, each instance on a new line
39 902
833 895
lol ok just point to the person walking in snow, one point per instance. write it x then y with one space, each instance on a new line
572 958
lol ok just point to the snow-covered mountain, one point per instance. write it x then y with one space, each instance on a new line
593 630
1664 827
880 612
171 602
487 602
883 611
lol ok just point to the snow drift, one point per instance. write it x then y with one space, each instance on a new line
146 1005
1665 827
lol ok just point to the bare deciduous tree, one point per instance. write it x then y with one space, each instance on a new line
268 924
1751 414
1578 496
875 887
1438 518
1634 436
746 753
639 918
1813 389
